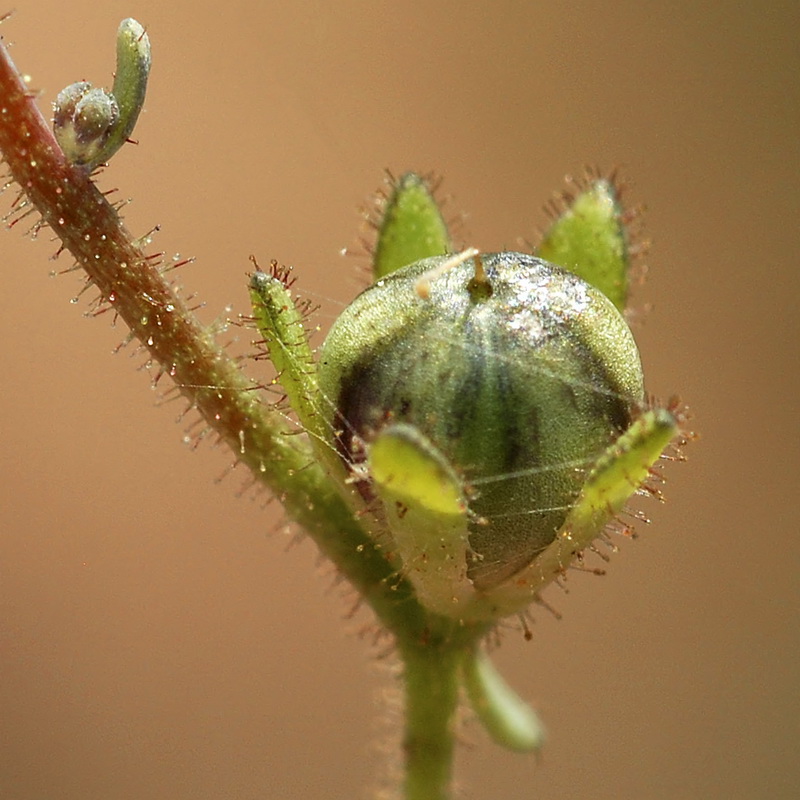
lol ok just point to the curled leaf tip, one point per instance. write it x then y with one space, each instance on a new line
92 124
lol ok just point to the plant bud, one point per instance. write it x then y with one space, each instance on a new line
90 125
83 120
517 372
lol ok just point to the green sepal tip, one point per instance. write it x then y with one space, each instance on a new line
619 472
507 718
622 470
281 323
426 514
589 239
411 227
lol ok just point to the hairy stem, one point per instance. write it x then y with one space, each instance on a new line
431 700
133 286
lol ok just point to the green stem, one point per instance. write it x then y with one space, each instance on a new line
431 700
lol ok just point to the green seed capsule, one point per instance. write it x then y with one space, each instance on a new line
517 372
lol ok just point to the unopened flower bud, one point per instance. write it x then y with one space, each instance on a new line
83 120
517 372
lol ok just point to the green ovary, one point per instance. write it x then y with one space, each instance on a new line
521 390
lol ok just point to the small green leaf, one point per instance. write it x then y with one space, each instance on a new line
507 718
426 513
589 239
130 80
411 228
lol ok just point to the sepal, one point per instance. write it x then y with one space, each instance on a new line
411 226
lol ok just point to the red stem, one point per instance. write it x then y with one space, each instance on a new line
92 231
133 286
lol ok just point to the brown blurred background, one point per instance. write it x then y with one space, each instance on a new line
157 643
